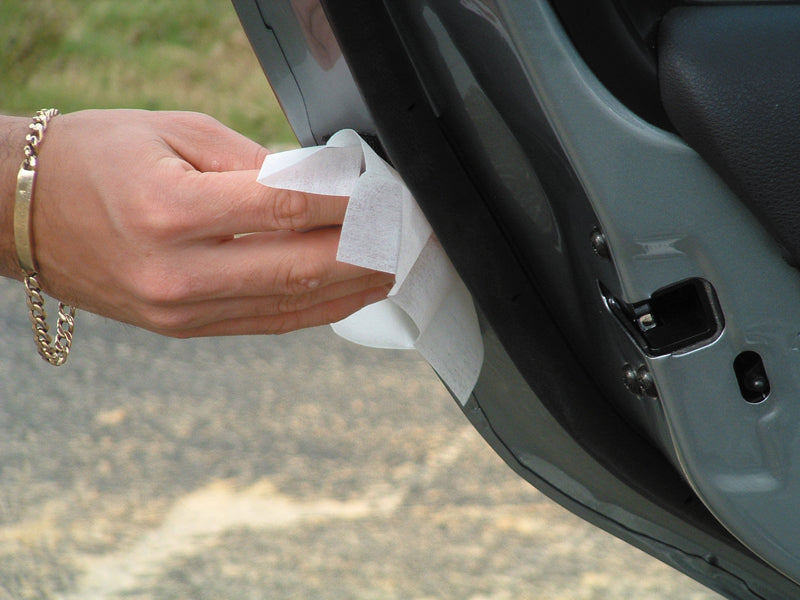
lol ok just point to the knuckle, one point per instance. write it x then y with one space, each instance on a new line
164 223
166 321
196 121
202 121
154 219
159 287
301 274
291 210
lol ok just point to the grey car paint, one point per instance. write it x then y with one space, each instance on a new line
668 217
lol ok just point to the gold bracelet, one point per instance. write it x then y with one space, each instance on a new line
55 351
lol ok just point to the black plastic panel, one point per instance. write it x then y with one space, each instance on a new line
616 39
730 81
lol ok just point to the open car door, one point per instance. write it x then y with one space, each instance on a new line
616 182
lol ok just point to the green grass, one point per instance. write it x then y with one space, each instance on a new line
153 54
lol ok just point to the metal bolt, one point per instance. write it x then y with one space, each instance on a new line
757 383
599 244
629 378
647 384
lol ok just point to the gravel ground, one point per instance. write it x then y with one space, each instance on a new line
298 466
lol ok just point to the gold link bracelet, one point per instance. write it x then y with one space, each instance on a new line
55 351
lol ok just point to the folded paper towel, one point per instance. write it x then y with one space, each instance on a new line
429 307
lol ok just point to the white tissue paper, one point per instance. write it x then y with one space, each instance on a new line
429 307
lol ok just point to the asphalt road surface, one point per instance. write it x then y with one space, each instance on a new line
292 467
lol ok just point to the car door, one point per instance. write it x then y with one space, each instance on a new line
614 182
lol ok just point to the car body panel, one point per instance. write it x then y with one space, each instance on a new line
516 168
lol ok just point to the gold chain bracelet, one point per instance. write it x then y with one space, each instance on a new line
53 351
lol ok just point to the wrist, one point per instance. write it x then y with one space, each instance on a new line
12 142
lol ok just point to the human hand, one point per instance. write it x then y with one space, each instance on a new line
137 216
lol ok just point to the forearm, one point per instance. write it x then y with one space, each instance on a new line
12 142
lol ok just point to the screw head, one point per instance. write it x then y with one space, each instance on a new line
647 384
757 383
629 378
599 243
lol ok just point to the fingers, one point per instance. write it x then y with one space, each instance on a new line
257 265
176 320
217 194
207 144
322 314
230 203
281 262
